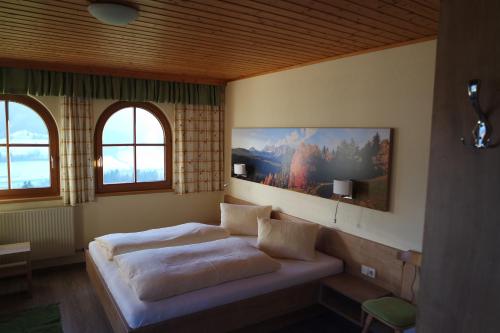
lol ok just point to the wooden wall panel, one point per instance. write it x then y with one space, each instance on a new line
355 251
203 41
460 287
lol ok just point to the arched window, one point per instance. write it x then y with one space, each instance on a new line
133 149
29 156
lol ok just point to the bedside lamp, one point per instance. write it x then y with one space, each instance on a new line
240 170
342 188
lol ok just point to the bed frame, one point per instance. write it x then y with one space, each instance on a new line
224 318
285 305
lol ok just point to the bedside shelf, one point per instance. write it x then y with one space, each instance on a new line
344 294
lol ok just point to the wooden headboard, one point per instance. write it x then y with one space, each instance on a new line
356 251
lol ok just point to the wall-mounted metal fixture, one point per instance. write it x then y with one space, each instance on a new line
481 133
342 189
240 170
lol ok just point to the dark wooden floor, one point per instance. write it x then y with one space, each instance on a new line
81 311
69 286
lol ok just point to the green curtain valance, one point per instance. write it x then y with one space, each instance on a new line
49 83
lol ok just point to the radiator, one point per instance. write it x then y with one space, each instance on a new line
51 231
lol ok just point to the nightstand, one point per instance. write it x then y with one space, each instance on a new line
344 293
15 261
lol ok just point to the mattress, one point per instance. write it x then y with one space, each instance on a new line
138 313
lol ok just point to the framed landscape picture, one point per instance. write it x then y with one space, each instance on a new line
307 160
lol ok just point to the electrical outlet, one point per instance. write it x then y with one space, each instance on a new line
368 271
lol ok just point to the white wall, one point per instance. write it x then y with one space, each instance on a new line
389 88
131 212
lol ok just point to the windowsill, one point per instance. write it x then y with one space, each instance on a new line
112 194
21 200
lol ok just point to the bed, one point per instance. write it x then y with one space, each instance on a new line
225 307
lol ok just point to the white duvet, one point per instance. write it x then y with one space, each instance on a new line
187 233
155 274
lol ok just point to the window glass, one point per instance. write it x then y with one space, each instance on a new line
29 167
3 130
133 143
119 128
148 128
118 164
26 126
150 163
28 146
4 179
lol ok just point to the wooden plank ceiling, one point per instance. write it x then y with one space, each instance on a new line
206 40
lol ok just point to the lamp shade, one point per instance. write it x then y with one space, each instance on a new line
113 13
342 188
240 169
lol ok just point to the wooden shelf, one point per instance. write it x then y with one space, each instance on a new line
15 248
15 261
344 294
14 269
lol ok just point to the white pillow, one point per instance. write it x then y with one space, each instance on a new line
242 219
287 239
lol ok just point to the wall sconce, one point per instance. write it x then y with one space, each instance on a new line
343 189
240 170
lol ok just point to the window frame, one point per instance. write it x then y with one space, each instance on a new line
166 184
53 145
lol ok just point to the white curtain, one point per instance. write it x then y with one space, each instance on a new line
77 150
199 148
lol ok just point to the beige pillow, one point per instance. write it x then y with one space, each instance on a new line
242 219
286 239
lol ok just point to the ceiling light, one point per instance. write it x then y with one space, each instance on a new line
113 13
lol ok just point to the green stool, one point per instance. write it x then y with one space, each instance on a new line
392 311
397 313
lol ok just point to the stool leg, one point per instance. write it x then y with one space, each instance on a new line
368 322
